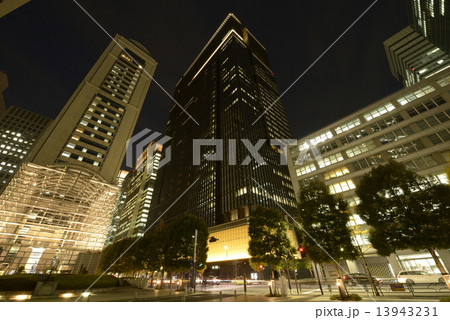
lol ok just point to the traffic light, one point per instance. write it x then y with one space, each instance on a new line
261 267
302 252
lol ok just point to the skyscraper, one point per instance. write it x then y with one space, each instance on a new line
229 93
412 58
431 19
138 189
59 203
93 127
19 131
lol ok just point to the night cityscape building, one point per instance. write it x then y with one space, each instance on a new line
19 131
224 92
431 19
137 192
412 58
60 201
410 126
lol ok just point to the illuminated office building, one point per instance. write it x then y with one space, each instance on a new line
19 130
60 202
138 189
431 19
412 58
230 93
410 126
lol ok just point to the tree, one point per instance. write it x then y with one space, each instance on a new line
404 211
126 264
325 218
269 243
178 247
149 252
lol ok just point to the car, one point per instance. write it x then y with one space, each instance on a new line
212 280
418 276
239 280
357 278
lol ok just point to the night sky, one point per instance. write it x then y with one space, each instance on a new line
48 46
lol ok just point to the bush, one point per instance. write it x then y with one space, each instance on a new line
446 299
18 282
350 297
27 282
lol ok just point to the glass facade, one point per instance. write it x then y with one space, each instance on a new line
226 90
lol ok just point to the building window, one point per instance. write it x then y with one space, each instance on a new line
342 186
305 169
425 106
363 147
325 162
440 136
336 173
420 163
347 126
405 149
379 111
415 95
396 135
353 136
390 121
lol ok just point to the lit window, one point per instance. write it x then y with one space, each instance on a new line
363 147
342 186
415 95
330 160
347 126
379 111
336 173
306 169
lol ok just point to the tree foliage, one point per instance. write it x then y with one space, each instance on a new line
126 264
269 243
404 210
178 247
170 246
324 217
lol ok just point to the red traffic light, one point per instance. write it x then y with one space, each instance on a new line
301 249
261 266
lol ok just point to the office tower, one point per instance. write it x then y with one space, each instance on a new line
137 194
225 90
19 131
431 19
59 203
3 86
118 207
6 6
410 126
93 127
412 58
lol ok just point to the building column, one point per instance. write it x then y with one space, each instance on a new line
444 254
352 266
393 262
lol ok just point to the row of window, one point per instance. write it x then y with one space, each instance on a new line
425 106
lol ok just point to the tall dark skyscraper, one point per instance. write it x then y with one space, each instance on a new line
431 19
229 93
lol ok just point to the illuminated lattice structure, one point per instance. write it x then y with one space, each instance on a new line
48 214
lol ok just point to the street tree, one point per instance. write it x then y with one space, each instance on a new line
269 242
110 261
325 233
149 252
404 211
178 246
